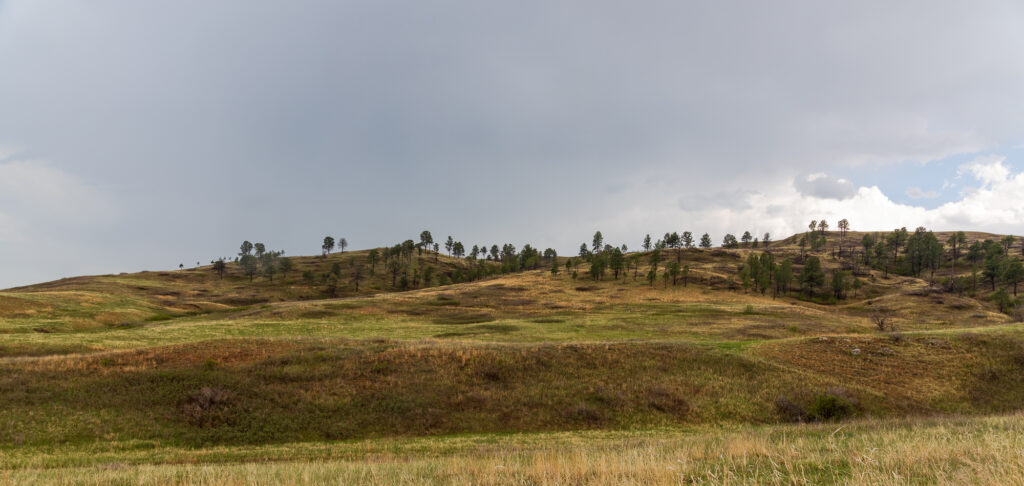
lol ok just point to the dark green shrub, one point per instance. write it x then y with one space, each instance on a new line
1003 300
827 407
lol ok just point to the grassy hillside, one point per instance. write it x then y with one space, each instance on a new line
129 300
147 366
258 391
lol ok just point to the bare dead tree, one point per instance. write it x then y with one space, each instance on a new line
882 317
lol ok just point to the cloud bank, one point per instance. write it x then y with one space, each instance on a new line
990 202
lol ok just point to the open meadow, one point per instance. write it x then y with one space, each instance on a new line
512 377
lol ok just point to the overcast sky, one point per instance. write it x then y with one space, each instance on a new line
139 135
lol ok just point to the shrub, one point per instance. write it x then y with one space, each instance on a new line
1003 300
882 318
832 404
828 407
789 410
206 406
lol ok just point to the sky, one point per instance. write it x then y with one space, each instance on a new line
140 135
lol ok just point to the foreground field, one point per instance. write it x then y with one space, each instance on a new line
958 451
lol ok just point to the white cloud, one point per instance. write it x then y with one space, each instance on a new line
784 209
918 193
987 169
993 207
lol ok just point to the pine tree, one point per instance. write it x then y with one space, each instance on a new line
705 241
812 277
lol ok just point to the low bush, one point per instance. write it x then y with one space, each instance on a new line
828 407
831 405
206 406
789 410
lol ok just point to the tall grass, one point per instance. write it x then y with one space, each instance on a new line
985 451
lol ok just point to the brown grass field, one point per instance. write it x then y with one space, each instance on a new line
524 378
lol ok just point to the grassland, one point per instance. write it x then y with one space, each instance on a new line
527 378
951 451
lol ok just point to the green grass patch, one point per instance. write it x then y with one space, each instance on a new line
160 317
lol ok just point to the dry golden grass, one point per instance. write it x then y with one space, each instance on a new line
988 451
103 312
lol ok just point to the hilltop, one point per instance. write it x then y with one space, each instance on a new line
144 298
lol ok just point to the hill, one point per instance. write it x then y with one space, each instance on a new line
187 359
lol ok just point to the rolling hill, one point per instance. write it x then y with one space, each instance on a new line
153 367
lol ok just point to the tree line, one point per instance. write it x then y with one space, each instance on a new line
255 259
403 266
900 251
905 253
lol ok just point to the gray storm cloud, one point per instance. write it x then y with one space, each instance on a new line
203 123
824 186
